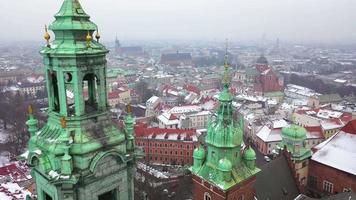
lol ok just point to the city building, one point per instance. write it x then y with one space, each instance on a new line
166 146
332 165
328 120
269 136
79 153
225 169
263 77
153 106
129 51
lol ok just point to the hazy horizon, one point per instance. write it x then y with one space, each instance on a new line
320 21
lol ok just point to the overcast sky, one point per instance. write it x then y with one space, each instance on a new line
294 20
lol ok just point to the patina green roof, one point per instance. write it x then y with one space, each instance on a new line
224 143
199 153
293 138
71 16
250 154
225 165
71 27
294 132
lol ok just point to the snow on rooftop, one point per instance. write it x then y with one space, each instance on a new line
280 123
12 191
185 109
329 125
338 152
326 114
340 81
152 100
165 119
268 135
251 98
152 171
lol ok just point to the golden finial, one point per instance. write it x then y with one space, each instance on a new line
129 108
88 39
97 36
46 36
63 122
30 109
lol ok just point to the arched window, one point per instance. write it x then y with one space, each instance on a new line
207 196
56 106
90 92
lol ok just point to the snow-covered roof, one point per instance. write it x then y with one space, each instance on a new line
269 135
152 100
167 120
280 123
11 191
185 109
340 81
338 152
331 124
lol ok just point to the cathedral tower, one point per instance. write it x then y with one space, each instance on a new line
226 168
79 154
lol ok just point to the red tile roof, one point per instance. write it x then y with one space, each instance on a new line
350 127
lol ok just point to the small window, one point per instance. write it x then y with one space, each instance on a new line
80 11
328 187
207 196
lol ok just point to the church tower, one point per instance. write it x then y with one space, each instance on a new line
79 154
225 169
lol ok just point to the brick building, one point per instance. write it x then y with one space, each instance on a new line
166 146
332 167
263 78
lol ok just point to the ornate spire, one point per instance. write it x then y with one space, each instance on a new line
226 79
225 95
71 16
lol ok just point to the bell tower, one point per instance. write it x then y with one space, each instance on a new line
226 168
79 154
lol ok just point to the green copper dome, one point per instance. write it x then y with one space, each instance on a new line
250 154
199 153
294 132
225 165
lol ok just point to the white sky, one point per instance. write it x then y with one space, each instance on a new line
298 20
